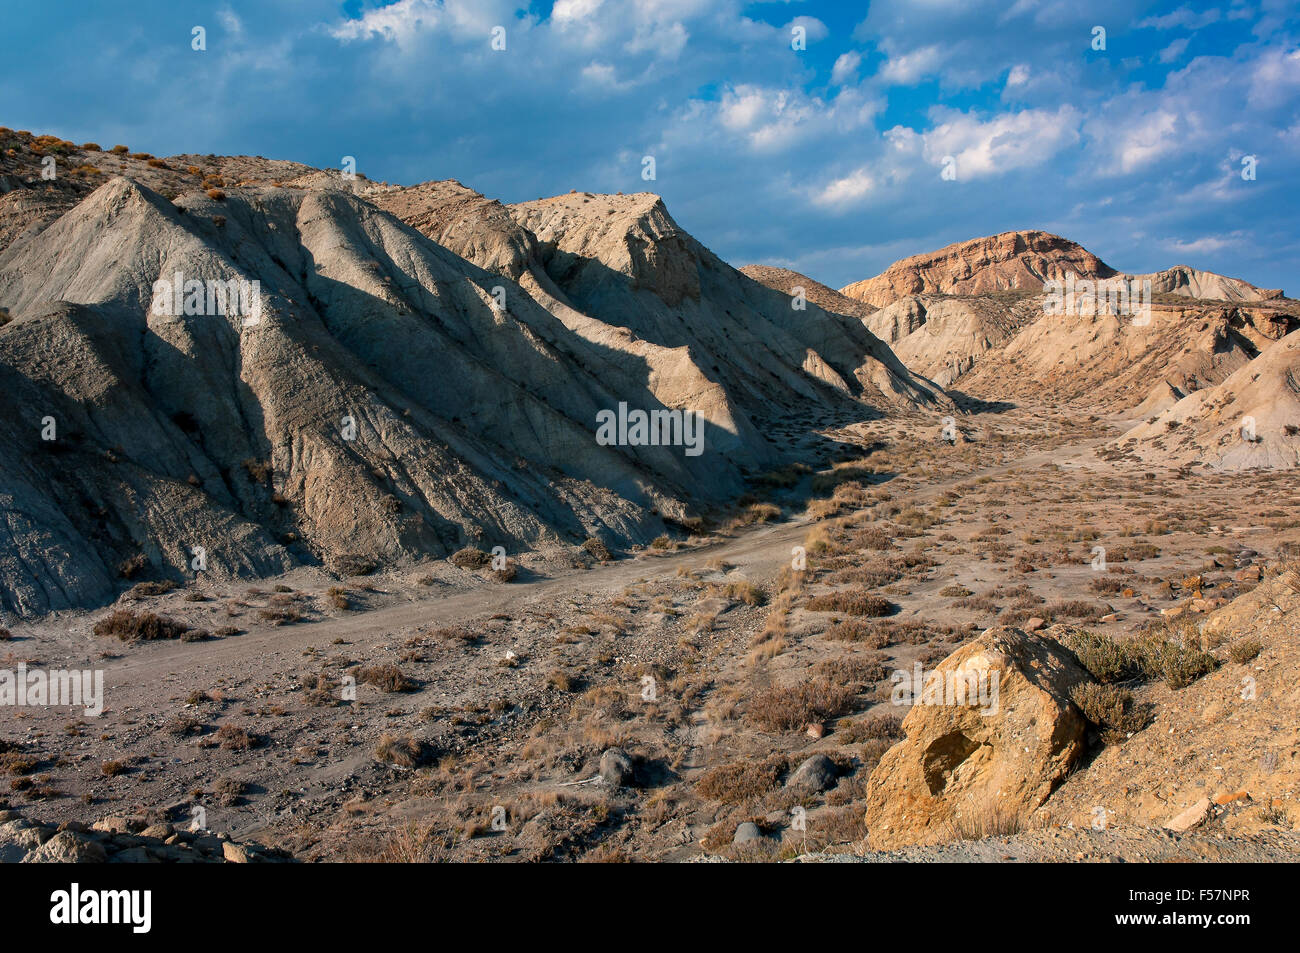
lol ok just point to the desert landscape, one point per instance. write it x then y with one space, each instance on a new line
310 467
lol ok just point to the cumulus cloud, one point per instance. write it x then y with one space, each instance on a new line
849 189
908 68
763 152
1002 143
399 22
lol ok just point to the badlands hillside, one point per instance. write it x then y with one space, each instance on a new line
978 319
273 536
316 434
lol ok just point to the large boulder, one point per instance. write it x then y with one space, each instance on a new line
816 774
991 733
617 768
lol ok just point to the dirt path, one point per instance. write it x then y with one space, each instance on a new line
757 553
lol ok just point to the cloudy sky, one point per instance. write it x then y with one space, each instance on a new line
828 158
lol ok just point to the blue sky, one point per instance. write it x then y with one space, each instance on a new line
826 159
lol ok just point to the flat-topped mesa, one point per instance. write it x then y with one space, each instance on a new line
1019 260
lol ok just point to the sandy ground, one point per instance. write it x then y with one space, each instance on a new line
515 690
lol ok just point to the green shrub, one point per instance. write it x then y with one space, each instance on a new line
1112 709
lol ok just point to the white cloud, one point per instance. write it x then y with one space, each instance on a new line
1182 18
567 11
907 69
1275 77
1018 76
1009 141
813 28
845 69
667 40
1202 246
398 23
1174 50
1135 141
849 189
230 21
775 118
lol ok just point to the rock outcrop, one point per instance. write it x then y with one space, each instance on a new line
122 840
965 767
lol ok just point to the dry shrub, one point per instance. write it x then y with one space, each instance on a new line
350 564
143 590
182 726
412 843
887 727
868 577
791 580
851 603
742 781
1180 665
852 671
1075 609
455 633
560 680
873 537
279 616
990 818
596 549
856 630
319 691
132 626
982 603
230 791
1247 650
403 750
794 706
470 558
127 568
746 592
234 738
387 678
761 513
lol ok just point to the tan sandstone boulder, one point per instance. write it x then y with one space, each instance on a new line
973 759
